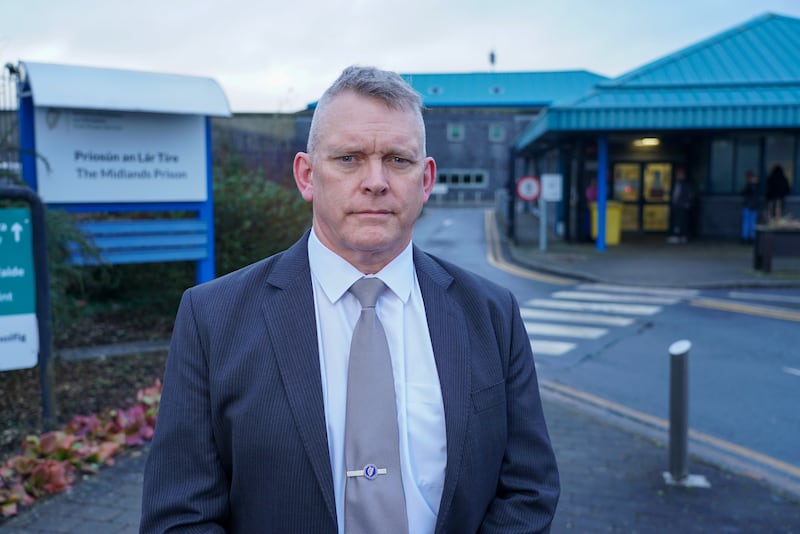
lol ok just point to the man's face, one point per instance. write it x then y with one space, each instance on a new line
368 179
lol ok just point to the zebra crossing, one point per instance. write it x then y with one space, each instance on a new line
558 323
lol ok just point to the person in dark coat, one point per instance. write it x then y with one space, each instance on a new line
777 190
682 200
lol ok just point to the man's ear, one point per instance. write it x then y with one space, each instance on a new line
302 175
428 177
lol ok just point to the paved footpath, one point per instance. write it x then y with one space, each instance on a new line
611 482
106 503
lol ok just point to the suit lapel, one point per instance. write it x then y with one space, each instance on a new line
290 321
447 326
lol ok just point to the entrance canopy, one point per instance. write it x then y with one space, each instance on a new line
745 78
90 88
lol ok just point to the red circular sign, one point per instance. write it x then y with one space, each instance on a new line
528 188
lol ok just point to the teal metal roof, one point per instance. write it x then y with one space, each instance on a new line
762 50
502 89
746 77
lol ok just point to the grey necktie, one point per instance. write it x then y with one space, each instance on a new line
374 501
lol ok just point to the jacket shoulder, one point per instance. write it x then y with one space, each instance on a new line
281 269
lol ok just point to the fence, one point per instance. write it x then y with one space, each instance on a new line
9 126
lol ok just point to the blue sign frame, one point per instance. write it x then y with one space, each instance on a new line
204 270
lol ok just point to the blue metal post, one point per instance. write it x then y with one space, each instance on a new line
27 137
602 190
204 270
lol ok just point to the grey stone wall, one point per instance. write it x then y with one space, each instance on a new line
488 135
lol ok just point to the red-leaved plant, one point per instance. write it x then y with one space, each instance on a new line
48 463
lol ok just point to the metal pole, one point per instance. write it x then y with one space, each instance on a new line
679 410
542 224
602 191
205 269
510 185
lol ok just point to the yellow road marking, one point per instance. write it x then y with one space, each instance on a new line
663 424
750 309
495 257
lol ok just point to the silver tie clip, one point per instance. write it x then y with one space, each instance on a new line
369 472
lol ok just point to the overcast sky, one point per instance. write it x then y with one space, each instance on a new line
280 55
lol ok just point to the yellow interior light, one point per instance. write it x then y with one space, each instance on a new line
647 141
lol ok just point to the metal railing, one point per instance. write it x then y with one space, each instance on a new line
9 126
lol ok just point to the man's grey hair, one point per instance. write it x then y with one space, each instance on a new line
386 86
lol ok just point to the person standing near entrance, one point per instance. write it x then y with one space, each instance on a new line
777 190
681 202
352 383
751 205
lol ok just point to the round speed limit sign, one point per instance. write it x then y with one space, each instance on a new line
528 188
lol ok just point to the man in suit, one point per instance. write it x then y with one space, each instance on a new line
251 430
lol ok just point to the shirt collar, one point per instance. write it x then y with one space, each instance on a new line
336 275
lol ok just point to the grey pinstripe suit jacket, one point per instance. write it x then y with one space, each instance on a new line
240 443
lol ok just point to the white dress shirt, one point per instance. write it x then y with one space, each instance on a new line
420 411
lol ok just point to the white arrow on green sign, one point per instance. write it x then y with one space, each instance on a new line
19 332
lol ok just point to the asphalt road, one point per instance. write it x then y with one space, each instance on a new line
611 344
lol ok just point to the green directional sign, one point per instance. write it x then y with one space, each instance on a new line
19 335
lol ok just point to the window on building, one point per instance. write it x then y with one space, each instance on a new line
732 157
721 166
497 133
455 132
796 183
780 150
466 178
748 150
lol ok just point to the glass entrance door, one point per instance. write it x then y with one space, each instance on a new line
644 190
627 190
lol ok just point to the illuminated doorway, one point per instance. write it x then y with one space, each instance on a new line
644 191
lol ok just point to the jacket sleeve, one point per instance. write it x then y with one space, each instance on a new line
528 488
185 486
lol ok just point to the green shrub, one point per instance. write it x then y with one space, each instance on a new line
254 217
66 279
